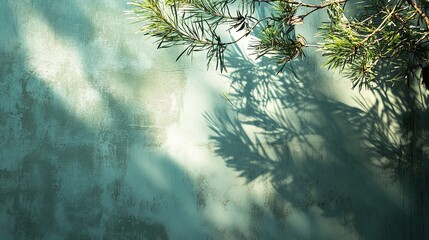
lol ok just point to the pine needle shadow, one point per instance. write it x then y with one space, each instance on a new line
314 150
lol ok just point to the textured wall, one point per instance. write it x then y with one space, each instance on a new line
104 137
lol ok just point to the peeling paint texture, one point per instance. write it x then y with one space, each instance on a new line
102 136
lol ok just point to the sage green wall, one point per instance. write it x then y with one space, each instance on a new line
102 136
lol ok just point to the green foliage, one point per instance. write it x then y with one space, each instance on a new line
369 41
171 27
385 34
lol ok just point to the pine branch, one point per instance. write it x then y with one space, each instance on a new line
360 44
308 5
421 13
170 29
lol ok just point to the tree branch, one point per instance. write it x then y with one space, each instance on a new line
327 4
421 13
381 26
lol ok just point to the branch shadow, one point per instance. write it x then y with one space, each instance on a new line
354 163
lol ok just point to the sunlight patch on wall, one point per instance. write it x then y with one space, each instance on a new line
59 64
189 134
118 36
220 193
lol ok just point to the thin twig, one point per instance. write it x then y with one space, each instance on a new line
327 4
421 13
381 26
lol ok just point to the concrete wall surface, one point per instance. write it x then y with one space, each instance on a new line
102 136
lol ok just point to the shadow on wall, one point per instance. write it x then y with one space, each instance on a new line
53 171
358 165
72 169
67 19
61 177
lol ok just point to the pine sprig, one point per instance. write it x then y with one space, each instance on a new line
385 35
190 23
361 44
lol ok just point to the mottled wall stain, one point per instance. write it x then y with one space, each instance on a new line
87 109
